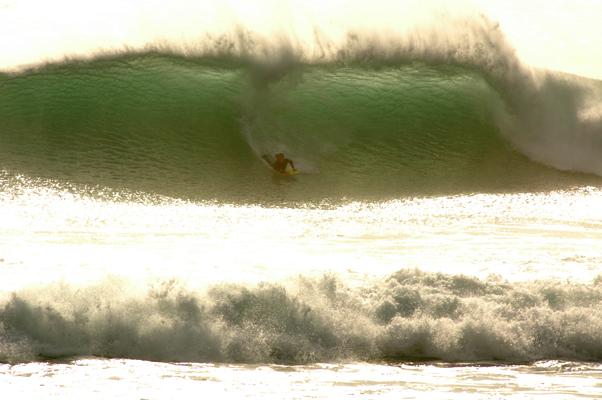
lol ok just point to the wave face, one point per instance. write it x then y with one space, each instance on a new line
411 315
375 119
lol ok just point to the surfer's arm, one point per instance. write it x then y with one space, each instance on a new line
292 165
267 159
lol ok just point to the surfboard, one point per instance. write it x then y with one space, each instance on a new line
288 171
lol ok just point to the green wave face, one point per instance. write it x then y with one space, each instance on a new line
196 129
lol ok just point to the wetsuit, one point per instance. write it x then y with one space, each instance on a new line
280 165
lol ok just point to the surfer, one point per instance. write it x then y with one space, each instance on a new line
280 163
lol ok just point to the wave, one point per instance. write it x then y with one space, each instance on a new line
411 315
377 116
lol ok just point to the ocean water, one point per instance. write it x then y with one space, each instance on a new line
442 239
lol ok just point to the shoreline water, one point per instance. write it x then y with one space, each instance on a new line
121 378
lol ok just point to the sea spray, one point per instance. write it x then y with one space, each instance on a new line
411 315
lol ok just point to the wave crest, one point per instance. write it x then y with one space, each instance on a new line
375 113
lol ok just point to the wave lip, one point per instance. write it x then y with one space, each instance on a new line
411 315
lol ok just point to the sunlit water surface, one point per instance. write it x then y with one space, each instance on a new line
50 235
126 379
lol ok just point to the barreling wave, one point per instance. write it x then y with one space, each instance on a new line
411 315
377 116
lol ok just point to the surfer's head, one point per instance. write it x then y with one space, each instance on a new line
279 156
